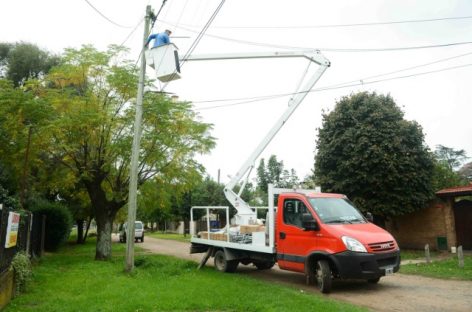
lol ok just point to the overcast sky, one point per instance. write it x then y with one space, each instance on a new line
440 102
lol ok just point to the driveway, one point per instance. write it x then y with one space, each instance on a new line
399 292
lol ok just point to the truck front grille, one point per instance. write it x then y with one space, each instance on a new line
382 246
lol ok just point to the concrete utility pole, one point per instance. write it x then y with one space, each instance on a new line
133 176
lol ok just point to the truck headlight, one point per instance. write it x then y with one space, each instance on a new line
353 244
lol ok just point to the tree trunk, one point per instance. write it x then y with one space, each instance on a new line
80 231
104 229
87 229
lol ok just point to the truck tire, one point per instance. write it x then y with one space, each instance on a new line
264 265
223 265
323 276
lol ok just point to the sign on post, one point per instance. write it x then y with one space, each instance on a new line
12 229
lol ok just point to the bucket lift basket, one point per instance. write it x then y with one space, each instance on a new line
165 60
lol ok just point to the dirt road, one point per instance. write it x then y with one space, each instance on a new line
394 293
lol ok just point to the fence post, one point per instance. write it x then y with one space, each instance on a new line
460 255
426 252
43 235
28 234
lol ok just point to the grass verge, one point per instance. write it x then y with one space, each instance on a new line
70 280
444 269
171 236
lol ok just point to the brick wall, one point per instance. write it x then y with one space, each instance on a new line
417 229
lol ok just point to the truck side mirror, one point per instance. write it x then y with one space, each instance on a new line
369 217
309 223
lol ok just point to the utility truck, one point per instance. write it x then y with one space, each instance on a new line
318 234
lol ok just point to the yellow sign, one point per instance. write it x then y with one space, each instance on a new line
12 229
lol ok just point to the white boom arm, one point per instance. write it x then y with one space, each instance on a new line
245 213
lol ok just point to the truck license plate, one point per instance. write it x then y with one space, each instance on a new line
388 271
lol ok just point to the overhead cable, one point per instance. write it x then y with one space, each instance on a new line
262 44
263 97
199 37
343 25
334 87
104 16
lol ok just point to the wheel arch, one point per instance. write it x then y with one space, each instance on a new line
311 260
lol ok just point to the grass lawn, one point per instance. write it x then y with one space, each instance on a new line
446 269
410 254
177 237
70 280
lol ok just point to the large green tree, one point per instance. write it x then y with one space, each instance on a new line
368 151
22 60
23 120
93 93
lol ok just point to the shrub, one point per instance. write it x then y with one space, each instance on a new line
22 268
58 222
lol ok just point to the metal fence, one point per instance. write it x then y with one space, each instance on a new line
30 237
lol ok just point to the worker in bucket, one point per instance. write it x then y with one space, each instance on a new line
159 38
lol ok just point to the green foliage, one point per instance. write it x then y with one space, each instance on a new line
366 150
21 61
275 173
58 222
466 172
23 272
444 177
453 158
7 200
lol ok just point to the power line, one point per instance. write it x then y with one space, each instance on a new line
262 44
104 16
141 20
344 25
264 97
199 37
334 87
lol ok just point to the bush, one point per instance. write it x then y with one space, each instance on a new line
58 222
22 267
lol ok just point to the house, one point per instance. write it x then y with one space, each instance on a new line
445 223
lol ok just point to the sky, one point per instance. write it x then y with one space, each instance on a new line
438 99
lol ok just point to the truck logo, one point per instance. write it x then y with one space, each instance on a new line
384 246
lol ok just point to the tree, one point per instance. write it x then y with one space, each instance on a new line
23 120
466 172
21 61
93 93
453 158
368 151
444 177
275 173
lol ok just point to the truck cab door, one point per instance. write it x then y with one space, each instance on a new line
293 242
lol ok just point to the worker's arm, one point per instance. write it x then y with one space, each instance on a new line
153 36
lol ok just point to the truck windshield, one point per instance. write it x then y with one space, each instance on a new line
138 226
336 210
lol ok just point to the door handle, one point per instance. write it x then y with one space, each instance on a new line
282 235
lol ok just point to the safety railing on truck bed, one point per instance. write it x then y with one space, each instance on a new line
216 229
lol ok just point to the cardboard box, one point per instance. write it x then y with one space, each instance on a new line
214 236
250 228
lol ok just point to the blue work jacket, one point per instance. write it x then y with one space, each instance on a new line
159 39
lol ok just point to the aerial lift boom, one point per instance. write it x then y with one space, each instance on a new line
245 213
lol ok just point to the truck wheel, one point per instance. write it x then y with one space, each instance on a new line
323 276
264 265
223 265
373 280
142 239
